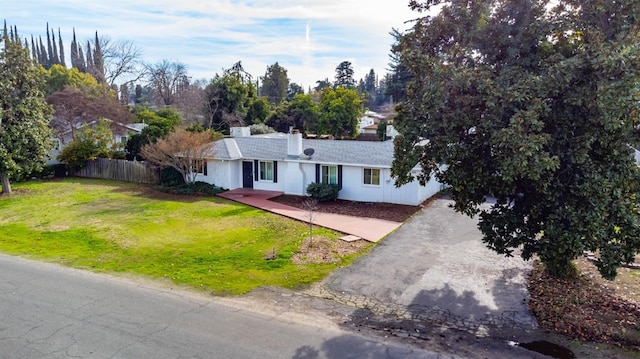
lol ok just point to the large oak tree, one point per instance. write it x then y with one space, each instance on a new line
535 103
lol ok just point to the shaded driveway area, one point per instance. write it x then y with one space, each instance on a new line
437 267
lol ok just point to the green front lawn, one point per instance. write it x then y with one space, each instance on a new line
106 226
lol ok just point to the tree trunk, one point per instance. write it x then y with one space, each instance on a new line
6 186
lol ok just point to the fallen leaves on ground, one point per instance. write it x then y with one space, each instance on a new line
583 308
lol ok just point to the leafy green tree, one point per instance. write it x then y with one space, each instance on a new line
304 112
293 90
228 99
89 143
25 137
159 124
57 77
275 84
339 111
535 103
259 111
344 75
322 84
301 113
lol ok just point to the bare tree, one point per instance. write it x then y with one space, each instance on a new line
183 150
122 61
167 79
188 102
74 107
311 205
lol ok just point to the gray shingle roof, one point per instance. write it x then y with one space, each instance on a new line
369 153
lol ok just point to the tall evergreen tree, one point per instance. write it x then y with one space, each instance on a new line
50 57
344 75
81 63
34 50
275 84
88 59
54 56
98 61
61 49
43 59
75 60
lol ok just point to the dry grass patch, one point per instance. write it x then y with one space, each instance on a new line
322 249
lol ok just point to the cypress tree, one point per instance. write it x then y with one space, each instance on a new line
43 59
88 59
34 50
50 58
61 49
98 62
54 57
75 61
15 37
81 64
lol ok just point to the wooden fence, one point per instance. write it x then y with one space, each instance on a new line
120 170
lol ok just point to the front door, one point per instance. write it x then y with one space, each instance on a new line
247 174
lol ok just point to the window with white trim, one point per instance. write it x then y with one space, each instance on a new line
329 174
372 176
266 171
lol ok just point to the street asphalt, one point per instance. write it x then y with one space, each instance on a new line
48 311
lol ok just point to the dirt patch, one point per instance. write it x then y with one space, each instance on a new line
387 211
588 307
15 191
321 249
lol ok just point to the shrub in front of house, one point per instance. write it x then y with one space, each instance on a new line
323 192
170 177
192 189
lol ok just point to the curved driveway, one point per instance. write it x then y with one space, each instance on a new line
436 265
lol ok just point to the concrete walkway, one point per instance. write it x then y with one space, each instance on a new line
370 229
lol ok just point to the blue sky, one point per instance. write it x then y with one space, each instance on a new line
309 38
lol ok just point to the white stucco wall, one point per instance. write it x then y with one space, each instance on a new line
270 185
354 189
294 177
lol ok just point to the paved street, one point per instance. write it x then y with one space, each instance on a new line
48 311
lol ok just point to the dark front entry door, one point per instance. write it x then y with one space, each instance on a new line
247 174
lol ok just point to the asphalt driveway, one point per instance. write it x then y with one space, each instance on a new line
437 264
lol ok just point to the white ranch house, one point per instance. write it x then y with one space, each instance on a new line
277 162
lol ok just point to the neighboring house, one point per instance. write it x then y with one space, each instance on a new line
371 129
121 133
284 162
